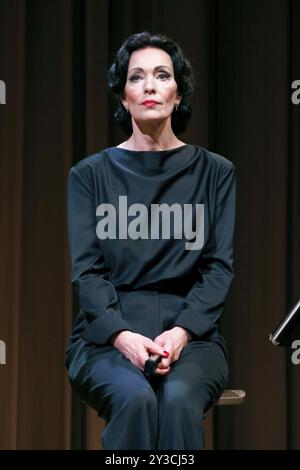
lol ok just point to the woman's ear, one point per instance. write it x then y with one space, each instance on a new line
178 100
123 100
177 104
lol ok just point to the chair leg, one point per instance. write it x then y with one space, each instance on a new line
209 430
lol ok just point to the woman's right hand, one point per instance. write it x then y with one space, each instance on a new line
137 348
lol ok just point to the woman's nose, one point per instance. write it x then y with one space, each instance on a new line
149 83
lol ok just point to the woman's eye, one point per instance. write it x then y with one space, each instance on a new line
134 77
161 75
164 75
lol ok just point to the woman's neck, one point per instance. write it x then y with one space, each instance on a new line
150 144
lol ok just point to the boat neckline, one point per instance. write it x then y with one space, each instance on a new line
152 151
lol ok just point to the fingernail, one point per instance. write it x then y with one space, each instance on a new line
166 353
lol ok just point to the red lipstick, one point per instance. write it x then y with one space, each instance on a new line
150 102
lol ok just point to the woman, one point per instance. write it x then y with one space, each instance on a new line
151 225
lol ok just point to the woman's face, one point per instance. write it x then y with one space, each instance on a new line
150 76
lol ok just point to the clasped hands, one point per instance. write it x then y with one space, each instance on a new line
138 348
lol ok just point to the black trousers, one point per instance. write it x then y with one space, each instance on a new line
165 412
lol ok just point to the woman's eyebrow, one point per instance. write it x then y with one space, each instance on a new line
140 69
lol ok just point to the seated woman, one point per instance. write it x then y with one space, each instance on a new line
151 226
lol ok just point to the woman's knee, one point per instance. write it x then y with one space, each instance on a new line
137 398
182 399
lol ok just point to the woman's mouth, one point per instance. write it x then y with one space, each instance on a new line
150 103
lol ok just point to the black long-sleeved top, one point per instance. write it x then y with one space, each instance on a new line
132 216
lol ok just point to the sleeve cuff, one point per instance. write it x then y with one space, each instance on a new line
196 324
100 332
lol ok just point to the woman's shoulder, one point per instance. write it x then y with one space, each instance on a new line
89 164
219 161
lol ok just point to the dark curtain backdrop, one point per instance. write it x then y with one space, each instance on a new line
53 58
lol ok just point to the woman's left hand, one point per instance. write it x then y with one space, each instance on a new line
173 341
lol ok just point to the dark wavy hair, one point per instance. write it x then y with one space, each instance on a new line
183 74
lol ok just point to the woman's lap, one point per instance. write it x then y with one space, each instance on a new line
105 378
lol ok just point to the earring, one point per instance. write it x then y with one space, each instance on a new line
176 107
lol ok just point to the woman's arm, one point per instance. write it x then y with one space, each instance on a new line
203 305
96 294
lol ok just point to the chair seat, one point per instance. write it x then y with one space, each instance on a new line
232 397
